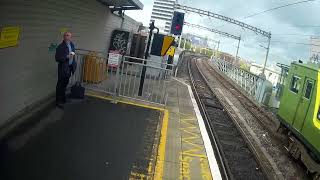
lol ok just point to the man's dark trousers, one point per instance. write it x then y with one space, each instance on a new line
61 89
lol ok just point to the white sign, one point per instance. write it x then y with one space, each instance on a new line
114 59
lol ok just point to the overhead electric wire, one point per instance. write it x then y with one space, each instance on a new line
278 7
299 43
275 8
313 35
312 26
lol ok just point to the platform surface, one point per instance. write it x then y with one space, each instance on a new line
95 139
92 139
186 156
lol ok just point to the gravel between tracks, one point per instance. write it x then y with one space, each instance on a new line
239 159
288 168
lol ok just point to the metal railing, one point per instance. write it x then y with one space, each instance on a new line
248 81
94 73
156 76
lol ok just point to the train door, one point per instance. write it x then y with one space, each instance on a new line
292 95
304 104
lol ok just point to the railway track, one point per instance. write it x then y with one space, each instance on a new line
238 158
259 124
263 118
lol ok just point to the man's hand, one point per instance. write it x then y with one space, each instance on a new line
71 55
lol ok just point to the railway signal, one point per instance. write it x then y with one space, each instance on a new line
177 23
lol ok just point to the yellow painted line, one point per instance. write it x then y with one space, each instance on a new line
162 146
126 102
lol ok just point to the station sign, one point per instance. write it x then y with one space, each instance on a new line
114 58
161 44
9 36
171 51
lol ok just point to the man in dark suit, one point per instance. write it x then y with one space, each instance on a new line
65 56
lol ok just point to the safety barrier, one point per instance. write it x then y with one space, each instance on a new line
248 81
125 79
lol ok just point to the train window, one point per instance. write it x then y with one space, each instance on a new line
295 84
308 90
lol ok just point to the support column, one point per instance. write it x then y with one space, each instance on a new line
265 61
237 50
218 48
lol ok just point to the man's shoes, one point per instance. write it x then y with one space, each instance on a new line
67 100
60 106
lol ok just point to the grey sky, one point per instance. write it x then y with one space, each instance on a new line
286 25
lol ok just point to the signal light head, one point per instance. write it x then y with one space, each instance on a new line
177 23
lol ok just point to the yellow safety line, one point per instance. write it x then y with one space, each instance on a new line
125 102
162 146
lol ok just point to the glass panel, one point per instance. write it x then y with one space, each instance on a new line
295 84
308 90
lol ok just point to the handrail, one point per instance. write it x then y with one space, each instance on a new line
146 60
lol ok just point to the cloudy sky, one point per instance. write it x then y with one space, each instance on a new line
291 26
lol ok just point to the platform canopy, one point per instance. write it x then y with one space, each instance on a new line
117 5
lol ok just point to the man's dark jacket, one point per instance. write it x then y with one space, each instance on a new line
64 69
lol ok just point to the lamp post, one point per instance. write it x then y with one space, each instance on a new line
144 69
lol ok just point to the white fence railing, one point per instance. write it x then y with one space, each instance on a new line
94 73
248 81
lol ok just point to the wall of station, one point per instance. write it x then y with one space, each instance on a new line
28 71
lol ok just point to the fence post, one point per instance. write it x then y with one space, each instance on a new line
115 90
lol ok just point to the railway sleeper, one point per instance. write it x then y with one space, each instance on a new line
214 106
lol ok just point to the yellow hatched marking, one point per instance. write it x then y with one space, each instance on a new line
195 152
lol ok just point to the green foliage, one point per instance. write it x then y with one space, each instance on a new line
188 44
208 52
243 65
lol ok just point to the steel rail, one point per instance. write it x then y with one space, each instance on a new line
224 171
256 153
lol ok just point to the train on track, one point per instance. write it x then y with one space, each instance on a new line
299 114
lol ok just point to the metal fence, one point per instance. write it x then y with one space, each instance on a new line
248 81
124 80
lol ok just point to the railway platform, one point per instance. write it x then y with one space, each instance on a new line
103 137
90 139
189 154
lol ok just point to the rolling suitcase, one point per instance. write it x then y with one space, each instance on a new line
77 91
